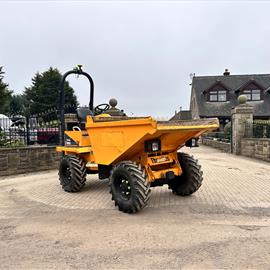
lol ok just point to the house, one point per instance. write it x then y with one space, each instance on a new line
182 115
215 96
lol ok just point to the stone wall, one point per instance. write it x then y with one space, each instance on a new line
27 159
242 117
256 148
225 147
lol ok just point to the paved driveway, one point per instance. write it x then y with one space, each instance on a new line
224 225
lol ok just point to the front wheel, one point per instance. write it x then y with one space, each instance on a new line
191 178
129 187
72 173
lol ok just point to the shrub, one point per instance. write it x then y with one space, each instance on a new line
3 139
9 142
227 128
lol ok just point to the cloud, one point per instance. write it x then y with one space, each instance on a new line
138 52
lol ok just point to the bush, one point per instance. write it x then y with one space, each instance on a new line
261 122
3 139
228 128
8 142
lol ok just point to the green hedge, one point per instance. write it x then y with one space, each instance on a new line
6 142
262 122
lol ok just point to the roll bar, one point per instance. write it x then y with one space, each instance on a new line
78 70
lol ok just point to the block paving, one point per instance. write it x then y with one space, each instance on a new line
230 181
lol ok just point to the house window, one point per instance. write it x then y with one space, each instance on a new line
218 95
252 95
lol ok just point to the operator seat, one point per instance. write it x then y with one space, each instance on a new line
82 114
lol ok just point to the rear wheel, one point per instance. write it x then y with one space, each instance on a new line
129 187
191 178
72 173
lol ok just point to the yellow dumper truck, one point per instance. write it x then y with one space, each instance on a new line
135 153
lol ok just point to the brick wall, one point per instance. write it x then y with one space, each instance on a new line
225 147
256 148
27 159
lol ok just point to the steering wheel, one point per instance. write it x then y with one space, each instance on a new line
99 109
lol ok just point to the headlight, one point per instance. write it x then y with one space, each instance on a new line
192 142
152 146
155 146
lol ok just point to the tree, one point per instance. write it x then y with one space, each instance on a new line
5 93
43 94
17 105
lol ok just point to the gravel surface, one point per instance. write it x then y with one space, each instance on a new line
226 224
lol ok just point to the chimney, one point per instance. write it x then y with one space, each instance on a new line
226 72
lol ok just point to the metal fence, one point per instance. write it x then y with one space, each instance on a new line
258 130
218 136
36 129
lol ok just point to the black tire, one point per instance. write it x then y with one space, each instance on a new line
129 187
191 178
72 173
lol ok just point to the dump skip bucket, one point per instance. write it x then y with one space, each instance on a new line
121 138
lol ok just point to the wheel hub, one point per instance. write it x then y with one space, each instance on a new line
125 188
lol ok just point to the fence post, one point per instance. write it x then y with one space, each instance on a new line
264 132
27 131
242 123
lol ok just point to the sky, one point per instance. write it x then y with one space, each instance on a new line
140 52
